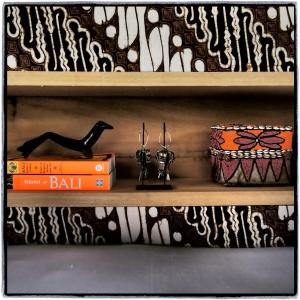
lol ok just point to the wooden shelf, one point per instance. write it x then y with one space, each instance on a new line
22 83
186 192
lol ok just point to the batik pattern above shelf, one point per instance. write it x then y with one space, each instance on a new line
153 38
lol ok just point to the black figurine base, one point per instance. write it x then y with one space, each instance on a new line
154 187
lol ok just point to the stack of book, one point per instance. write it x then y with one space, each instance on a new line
96 174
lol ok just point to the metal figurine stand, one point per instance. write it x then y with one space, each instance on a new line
164 158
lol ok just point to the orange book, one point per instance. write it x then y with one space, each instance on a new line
102 164
18 182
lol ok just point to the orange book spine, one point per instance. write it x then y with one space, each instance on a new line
60 182
90 167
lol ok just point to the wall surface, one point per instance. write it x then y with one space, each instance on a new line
150 38
153 38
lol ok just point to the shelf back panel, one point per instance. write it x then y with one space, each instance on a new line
188 120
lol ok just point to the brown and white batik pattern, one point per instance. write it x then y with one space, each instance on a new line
210 38
150 38
212 226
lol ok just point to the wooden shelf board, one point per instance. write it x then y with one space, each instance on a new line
39 83
186 192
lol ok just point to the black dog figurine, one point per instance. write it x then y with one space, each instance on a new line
84 145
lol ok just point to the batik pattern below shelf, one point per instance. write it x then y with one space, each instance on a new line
150 38
220 226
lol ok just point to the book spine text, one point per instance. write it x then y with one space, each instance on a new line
60 182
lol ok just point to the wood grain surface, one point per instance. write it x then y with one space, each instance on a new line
144 83
188 120
189 103
186 192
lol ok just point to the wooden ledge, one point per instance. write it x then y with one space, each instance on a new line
37 83
186 192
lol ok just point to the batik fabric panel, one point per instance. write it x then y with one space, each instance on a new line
197 226
210 38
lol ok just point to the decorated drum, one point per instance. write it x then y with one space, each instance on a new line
251 154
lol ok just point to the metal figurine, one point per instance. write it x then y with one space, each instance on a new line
143 155
83 145
164 157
